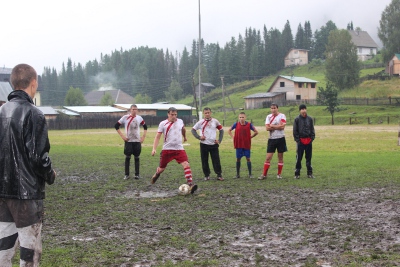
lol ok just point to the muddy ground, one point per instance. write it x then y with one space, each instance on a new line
296 227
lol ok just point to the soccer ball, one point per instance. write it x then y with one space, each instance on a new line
184 189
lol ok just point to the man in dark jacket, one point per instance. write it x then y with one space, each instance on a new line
304 135
25 167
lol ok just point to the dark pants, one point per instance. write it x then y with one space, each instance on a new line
132 148
214 153
299 156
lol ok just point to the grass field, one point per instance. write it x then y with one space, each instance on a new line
347 216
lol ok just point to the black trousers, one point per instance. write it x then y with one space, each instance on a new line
301 149
213 150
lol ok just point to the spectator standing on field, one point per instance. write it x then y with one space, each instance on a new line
304 135
25 169
275 124
242 141
173 130
133 140
209 145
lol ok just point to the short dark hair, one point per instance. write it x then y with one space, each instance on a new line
22 75
133 106
172 109
302 106
273 104
242 113
206 108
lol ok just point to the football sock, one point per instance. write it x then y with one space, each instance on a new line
266 167
237 167
137 166
127 162
249 167
188 175
280 167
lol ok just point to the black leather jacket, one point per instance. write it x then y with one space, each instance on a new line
24 147
303 127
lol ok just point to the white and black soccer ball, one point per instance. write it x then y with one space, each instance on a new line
184 189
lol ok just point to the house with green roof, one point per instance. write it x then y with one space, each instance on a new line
393 66
283 91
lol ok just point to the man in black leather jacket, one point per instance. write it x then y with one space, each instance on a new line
25 167
304 135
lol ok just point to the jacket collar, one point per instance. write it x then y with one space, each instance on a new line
20 94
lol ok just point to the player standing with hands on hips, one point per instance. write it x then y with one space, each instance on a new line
133 141
304 135
25 169
173 130
209 143
275 124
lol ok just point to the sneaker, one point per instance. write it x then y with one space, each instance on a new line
220 178
206 178
137 177
236 176
126 177
279 176
193 188
154 178
262 177
297 177
251 176
310 176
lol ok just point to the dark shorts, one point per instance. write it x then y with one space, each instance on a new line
167 156
277 144
20 211
242 152
133 148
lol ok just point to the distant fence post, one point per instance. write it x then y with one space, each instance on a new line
398 142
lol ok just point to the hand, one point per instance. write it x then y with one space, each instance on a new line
153 152
184 139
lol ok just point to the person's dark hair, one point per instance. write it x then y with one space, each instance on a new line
206 108
242 113
273 104
133 106
302 106
22 75
172 109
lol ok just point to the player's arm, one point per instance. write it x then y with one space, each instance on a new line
184 133
117 125
255 132
144 133
155 143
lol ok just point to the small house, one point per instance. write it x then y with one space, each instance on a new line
205 88
93 98
393 66
366 46
296 57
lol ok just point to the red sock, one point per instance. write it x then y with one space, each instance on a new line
266 167
280 167
188 175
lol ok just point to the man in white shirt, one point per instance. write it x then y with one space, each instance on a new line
275 124
209 143
173 130
132 138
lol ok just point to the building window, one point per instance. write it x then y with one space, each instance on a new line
298 97
312 85
300 85
282 84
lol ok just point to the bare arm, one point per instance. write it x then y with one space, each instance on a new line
184 134
155 143
255 132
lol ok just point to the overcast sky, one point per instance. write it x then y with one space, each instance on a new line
45 33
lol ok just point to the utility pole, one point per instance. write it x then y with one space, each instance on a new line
200 110
223 95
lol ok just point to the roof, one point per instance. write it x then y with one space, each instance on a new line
362 39
67 112
94 109
5 90
397 55
263 95
5 70
118 96
156 106
48 110
298 79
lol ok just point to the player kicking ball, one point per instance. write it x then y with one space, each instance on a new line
173 130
